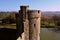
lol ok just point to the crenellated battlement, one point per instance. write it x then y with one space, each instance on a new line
33 14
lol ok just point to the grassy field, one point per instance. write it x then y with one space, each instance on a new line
8 26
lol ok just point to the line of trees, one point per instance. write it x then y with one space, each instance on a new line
53 21
9 20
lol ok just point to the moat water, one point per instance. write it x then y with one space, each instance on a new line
50 34
45 34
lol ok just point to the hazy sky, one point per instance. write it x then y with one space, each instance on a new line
43 5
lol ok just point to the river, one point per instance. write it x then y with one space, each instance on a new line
50 34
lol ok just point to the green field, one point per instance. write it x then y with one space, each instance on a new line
8 26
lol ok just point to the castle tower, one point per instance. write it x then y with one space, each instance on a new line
22 23
24 10
28 21
34 24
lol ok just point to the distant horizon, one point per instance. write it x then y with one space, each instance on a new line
18 11
43 5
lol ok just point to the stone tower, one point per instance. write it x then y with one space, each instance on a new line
28 21
34 24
